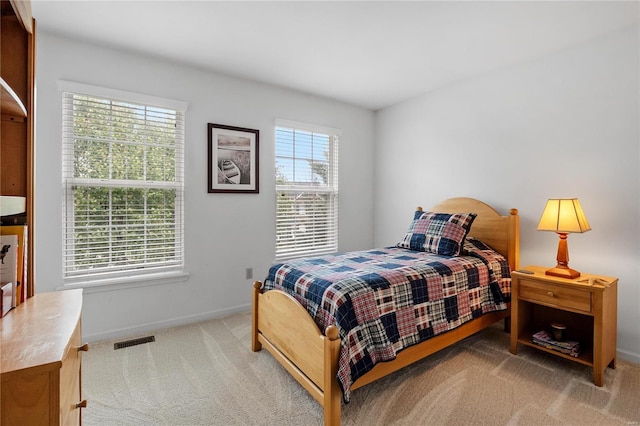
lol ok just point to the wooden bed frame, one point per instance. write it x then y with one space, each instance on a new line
282 326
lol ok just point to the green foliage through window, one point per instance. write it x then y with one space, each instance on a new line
123 179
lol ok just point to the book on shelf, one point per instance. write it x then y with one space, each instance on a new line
568 347
6 298
9 264
17 275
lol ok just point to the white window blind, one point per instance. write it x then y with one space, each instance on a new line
306 190
123 178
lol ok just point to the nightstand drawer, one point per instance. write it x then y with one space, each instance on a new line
555 295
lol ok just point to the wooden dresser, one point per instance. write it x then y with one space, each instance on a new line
41 361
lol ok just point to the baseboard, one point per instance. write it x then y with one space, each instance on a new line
629 356
161 325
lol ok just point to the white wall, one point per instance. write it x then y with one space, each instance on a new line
224 233
566 125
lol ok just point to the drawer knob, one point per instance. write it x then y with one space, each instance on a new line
83 348
550 294
82 404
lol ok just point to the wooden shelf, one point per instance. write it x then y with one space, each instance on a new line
585 357
22 9
11 103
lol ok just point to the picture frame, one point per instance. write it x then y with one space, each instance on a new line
233 159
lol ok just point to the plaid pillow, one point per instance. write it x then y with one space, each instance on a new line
439 233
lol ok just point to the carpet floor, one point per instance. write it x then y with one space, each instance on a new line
206 374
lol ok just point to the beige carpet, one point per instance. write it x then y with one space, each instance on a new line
206 374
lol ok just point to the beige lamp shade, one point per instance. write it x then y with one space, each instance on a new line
12 205
563 215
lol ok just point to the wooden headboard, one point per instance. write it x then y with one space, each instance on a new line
502 233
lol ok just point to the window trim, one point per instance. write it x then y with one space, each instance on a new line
122 95
125 278
298 125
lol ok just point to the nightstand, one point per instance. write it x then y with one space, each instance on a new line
587 306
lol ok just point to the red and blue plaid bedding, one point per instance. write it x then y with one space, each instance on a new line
385 300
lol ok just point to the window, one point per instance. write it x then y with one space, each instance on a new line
306 190
123 185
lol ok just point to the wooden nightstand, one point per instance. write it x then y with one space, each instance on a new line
589 312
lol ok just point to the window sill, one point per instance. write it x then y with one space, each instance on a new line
122 283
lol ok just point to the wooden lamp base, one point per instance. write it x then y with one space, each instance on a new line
562 268
565 272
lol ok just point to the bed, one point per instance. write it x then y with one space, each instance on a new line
309 335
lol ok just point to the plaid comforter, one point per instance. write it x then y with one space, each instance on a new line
385 300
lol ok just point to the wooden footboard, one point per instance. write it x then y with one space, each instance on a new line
283 327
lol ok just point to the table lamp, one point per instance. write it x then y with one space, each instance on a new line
563 216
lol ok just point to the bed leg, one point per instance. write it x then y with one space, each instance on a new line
257 291
332 393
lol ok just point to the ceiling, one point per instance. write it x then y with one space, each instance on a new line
368 53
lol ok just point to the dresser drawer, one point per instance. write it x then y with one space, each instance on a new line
555 295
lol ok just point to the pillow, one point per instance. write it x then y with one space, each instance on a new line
439 233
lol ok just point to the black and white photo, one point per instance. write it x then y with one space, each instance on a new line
233 159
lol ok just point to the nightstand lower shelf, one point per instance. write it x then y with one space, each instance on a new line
585 357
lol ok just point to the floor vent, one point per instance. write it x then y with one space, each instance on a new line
134 342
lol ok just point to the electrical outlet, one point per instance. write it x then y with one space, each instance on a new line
248 273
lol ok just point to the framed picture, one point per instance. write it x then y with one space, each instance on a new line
233 159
